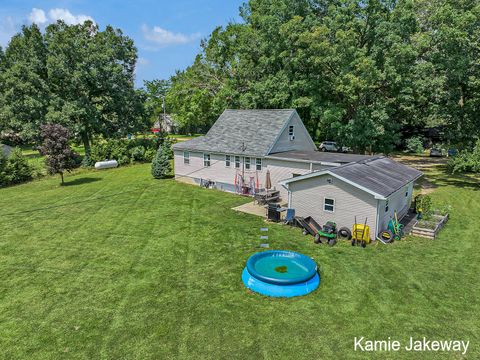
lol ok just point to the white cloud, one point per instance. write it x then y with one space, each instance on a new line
40 17
37 16
67 16
142 61
162 37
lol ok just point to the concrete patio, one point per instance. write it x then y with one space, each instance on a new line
252 208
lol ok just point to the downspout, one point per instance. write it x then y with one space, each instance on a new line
311 167
376 225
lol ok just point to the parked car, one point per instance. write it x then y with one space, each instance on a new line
332 146
435 152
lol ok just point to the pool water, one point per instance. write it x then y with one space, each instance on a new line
280 268
281 273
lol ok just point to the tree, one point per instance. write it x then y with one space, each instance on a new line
24 94
59 156
358 72
161 166
155 92
91 77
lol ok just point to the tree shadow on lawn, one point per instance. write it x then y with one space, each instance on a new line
470 182
81 181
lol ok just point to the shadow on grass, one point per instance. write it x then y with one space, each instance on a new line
81 181
459 181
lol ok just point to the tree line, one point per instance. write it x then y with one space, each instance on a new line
73 75
362 72
366 73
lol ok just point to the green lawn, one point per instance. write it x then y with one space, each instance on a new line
117 265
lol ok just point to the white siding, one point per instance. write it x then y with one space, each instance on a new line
217 171
283 170
302 141
308 199
397 201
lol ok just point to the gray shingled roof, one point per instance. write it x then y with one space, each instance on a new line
321 157
382 176
257 129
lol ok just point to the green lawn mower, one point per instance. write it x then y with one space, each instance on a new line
327 234
394 231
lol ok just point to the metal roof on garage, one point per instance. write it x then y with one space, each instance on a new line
379 176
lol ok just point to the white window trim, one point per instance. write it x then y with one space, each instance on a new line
239 162
324 204
229 161
186 159
257 164
291 134
248 164
209 160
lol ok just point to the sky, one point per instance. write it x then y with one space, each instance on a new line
167 33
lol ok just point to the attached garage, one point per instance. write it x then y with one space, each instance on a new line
372 189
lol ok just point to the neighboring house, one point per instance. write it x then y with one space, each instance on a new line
5 149
243 145
165 123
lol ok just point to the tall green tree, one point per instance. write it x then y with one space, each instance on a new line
359 72
91 77
24 92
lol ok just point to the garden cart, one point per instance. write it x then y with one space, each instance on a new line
360 234
394 231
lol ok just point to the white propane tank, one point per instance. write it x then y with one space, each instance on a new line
108 164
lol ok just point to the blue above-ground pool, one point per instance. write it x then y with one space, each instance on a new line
280 273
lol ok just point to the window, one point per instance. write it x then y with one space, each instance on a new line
291 133
329 205
329 181
386 206
227 160
186 157
237 162
247 163
258 163
206 160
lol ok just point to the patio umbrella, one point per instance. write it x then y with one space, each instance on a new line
268 181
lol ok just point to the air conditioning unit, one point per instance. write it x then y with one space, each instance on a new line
292 137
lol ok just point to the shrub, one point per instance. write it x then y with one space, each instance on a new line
15 169
423 205
466 161
137 153
149 155
414 144
59 156
125 151
161 167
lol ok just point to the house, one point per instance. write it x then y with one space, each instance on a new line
165 123
5 150
243 145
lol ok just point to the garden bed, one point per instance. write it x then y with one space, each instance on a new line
429 228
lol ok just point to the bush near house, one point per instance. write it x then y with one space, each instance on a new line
126 151
161 167
15 169
466 161
414 144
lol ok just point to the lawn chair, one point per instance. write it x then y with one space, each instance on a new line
289 217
